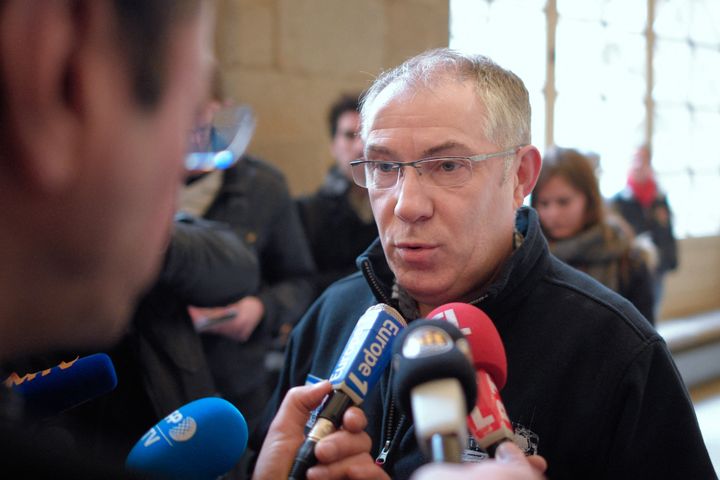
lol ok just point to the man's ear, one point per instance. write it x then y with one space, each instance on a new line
528 170
38 42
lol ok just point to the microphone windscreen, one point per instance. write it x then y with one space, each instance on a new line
66 385
429 350
487 349
201 440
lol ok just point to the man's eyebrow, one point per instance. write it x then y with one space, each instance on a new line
437 150
379 149
443 148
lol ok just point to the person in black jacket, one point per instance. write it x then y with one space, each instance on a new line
337 219
448 162
582 234
253 198
647 210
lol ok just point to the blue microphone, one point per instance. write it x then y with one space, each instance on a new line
201 440
69 384
361 364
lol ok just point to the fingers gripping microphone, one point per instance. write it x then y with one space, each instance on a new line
360 366
435 384
488 421
201 440
66 385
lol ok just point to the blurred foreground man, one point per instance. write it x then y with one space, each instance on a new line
96 100
448 162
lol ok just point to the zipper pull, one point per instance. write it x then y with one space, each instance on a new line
380 460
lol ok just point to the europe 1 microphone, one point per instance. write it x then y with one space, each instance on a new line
360 366
488 421
434 382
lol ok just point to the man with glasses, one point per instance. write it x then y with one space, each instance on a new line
448 162
337 218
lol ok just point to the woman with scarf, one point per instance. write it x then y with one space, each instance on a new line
581 232
645 207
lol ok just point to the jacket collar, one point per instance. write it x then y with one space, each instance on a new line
517 277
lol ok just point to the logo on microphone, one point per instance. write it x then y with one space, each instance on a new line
184 430
366 354
426 342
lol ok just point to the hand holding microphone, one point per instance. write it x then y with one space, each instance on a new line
509 464
337 454
360 366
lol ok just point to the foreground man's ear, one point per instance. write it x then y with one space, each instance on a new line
43 63
526 174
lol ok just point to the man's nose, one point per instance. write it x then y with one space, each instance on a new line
413 203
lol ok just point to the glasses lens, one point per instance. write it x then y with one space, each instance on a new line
218 143
358 174
445 172
381 174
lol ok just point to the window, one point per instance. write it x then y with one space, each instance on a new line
601 81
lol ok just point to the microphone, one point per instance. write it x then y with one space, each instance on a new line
64 386
360 366
200 440
435 385
488 421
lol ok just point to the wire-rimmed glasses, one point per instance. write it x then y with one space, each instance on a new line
450 171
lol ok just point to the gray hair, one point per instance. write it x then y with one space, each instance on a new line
501 91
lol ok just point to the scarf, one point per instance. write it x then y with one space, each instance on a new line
645 192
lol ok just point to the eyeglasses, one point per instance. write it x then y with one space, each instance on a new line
435 171
218 145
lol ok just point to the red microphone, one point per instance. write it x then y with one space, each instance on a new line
488 421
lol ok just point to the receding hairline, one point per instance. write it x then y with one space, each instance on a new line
502 93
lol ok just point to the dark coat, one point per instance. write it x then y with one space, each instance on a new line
254 200
591 385
655 220
336 234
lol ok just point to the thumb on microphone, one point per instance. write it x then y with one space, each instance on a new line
508 453
509 463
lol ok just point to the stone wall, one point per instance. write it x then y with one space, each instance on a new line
289 59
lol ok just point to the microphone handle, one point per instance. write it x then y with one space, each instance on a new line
329 420
304 459
445 448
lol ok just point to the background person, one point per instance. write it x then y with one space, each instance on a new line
582 234
645 207
337 219
252 197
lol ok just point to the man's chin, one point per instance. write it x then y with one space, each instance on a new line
429 295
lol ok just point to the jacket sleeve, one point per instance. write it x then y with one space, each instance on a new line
287 267
656 432
664 238
207 265
639 289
